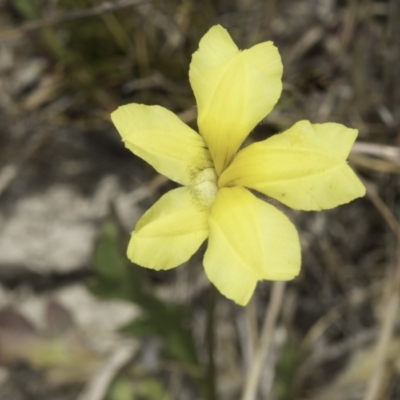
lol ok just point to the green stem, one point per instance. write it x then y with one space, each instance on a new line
210 337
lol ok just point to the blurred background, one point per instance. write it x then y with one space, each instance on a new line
77 319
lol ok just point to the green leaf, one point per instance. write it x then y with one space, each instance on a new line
140 327
151 389
108 260
121 389
286 368
117 278
146 389
27 8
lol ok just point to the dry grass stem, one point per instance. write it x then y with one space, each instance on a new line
383 209
97 387
355 298
65 174
274 307
374 164
373 391
374 149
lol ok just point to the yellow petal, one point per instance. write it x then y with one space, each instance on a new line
170 232
304 167
163 140
234 90
249 240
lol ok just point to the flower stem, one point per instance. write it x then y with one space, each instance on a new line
210 337
253 377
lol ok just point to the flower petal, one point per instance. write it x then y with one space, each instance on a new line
158 136
249 240
304 167
170 232
234 90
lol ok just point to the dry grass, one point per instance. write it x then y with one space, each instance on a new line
64 65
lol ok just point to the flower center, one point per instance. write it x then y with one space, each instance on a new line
205 187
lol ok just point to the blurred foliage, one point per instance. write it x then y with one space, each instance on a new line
27 8
117 278
76 61
286 369
63 355
118 47
149 389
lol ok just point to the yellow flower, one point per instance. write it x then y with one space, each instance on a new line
248 239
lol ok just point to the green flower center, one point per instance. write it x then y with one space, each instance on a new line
205 187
